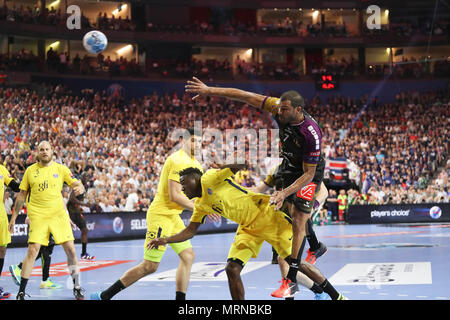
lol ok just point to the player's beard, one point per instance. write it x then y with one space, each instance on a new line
45 161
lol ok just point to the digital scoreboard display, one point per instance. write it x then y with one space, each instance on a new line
327 82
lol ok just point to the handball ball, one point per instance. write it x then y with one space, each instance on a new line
95 42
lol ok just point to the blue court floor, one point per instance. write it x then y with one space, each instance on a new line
364 262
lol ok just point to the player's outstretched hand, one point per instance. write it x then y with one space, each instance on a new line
214 217
197 87
277 199
156 242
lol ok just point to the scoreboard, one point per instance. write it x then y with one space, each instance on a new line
327 82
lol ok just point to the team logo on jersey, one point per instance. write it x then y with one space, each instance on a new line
209 191
307 192
1 177
55 175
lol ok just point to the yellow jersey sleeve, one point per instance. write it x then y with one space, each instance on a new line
269 179
215 176
174 169
68 176
6 175
179 162
198 215
25 184
270 104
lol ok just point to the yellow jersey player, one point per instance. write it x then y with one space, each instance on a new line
163 219
5 235
216 192
40 188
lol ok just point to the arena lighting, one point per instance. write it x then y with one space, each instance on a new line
122 7
386 12
388 50
315 14
53 4
249 52
54 44
124 49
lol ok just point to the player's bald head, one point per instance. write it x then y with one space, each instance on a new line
45 152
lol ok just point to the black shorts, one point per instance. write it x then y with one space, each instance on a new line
303 199
78 218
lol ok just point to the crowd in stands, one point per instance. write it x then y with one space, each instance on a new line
393 150
121 145
51 16
281 27
406 28
412 68
86 65
278 27
344 67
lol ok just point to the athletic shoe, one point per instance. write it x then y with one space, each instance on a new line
15 273
287 289
20 296
78 293
321 296
3 294
341 297
96 295
86 256
313 255
49 284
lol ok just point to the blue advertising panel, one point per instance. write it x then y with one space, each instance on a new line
398 213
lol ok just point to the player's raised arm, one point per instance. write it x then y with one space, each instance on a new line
200 89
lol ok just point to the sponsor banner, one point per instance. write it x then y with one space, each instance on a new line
398 213
117 225
206 271
383 273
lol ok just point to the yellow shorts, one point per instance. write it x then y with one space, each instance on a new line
272 226
58 225
158 226
5 236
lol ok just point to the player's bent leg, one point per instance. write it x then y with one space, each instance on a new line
132 275
183 272
236 286
136 273
314 273
244 247
299 220
72 264
322 195
28 262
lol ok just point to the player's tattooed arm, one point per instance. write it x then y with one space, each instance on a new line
18 204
